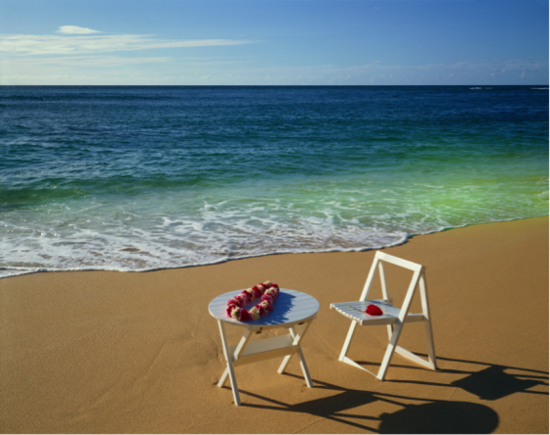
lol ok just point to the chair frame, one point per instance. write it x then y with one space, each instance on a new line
394 324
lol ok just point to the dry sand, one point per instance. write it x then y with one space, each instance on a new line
114 352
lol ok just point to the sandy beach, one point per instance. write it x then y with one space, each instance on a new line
115 352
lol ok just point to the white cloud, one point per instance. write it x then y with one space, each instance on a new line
77 45
89 61
75 30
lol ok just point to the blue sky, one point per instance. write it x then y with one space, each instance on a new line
277 42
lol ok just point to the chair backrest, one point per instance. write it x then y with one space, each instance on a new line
418 279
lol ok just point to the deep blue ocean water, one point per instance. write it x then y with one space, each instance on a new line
141 178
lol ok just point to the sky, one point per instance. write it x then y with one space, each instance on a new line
274 42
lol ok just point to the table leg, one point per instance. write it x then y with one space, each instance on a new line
246 336
229 370
297 339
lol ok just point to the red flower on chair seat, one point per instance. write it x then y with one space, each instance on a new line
373 310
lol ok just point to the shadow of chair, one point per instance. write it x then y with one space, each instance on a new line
491 382
429 416
425 415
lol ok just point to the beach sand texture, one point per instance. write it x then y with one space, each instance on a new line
114 352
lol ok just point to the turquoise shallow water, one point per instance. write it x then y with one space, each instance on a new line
141 178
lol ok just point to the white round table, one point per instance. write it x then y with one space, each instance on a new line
293 310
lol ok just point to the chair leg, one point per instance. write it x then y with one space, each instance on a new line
390 351
430 342
390 331
347 343
223 379
427 322
430 364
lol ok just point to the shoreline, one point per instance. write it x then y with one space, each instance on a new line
407 239
112 352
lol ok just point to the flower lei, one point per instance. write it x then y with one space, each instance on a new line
267 290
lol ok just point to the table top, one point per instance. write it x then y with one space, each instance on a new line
291 307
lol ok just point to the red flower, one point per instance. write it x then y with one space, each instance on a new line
268 298
267 292
373 310
244 316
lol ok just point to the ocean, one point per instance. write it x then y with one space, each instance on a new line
145 178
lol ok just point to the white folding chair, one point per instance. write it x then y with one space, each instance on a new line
393 317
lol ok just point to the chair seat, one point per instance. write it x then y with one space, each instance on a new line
356 311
